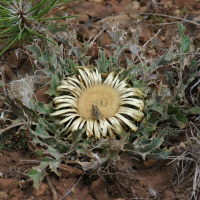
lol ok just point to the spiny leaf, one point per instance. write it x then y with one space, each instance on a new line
41 107
34 49
176 116
193 110
37 177
54 84
41 132
181 28
146 148
185 44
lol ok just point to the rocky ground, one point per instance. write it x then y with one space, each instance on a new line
152 179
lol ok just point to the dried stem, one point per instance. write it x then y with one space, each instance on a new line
53 191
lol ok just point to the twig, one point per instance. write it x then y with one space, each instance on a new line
152 38
104 28
12 126
73 186
53 191
3 81
191 91
169 16
28 162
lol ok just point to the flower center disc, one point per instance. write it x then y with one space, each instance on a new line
105 98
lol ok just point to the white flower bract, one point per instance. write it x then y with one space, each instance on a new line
117 105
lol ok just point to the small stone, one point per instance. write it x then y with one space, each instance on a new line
168 195
61 190
93 10
98 190
120 199
104 41
15 198
151 163
122 20
181 197
3 195
118 9
96 1
84 191
7 185
135 5
125 3
178 13
167 4
145 34
83 18
152 52
42 191
84 34
182 146
17 193
69 171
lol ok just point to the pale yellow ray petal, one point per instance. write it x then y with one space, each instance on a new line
65 105
116 125
109 127
77 124
65 97
129 94
78 82
60 112
75 85
140 101
67 126
66 119
103 127
70 128
121 86
89 132
110 132
96 129
94 77
98 75
135 102
109 79
82 123
65 87
70 114
85 78
90 76
116 84
71 124
116 79
65 100
127 122
135 90
137 115
75 90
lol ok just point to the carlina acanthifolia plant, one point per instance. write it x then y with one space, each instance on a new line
100 107
20 19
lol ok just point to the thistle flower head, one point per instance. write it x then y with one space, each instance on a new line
101 107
